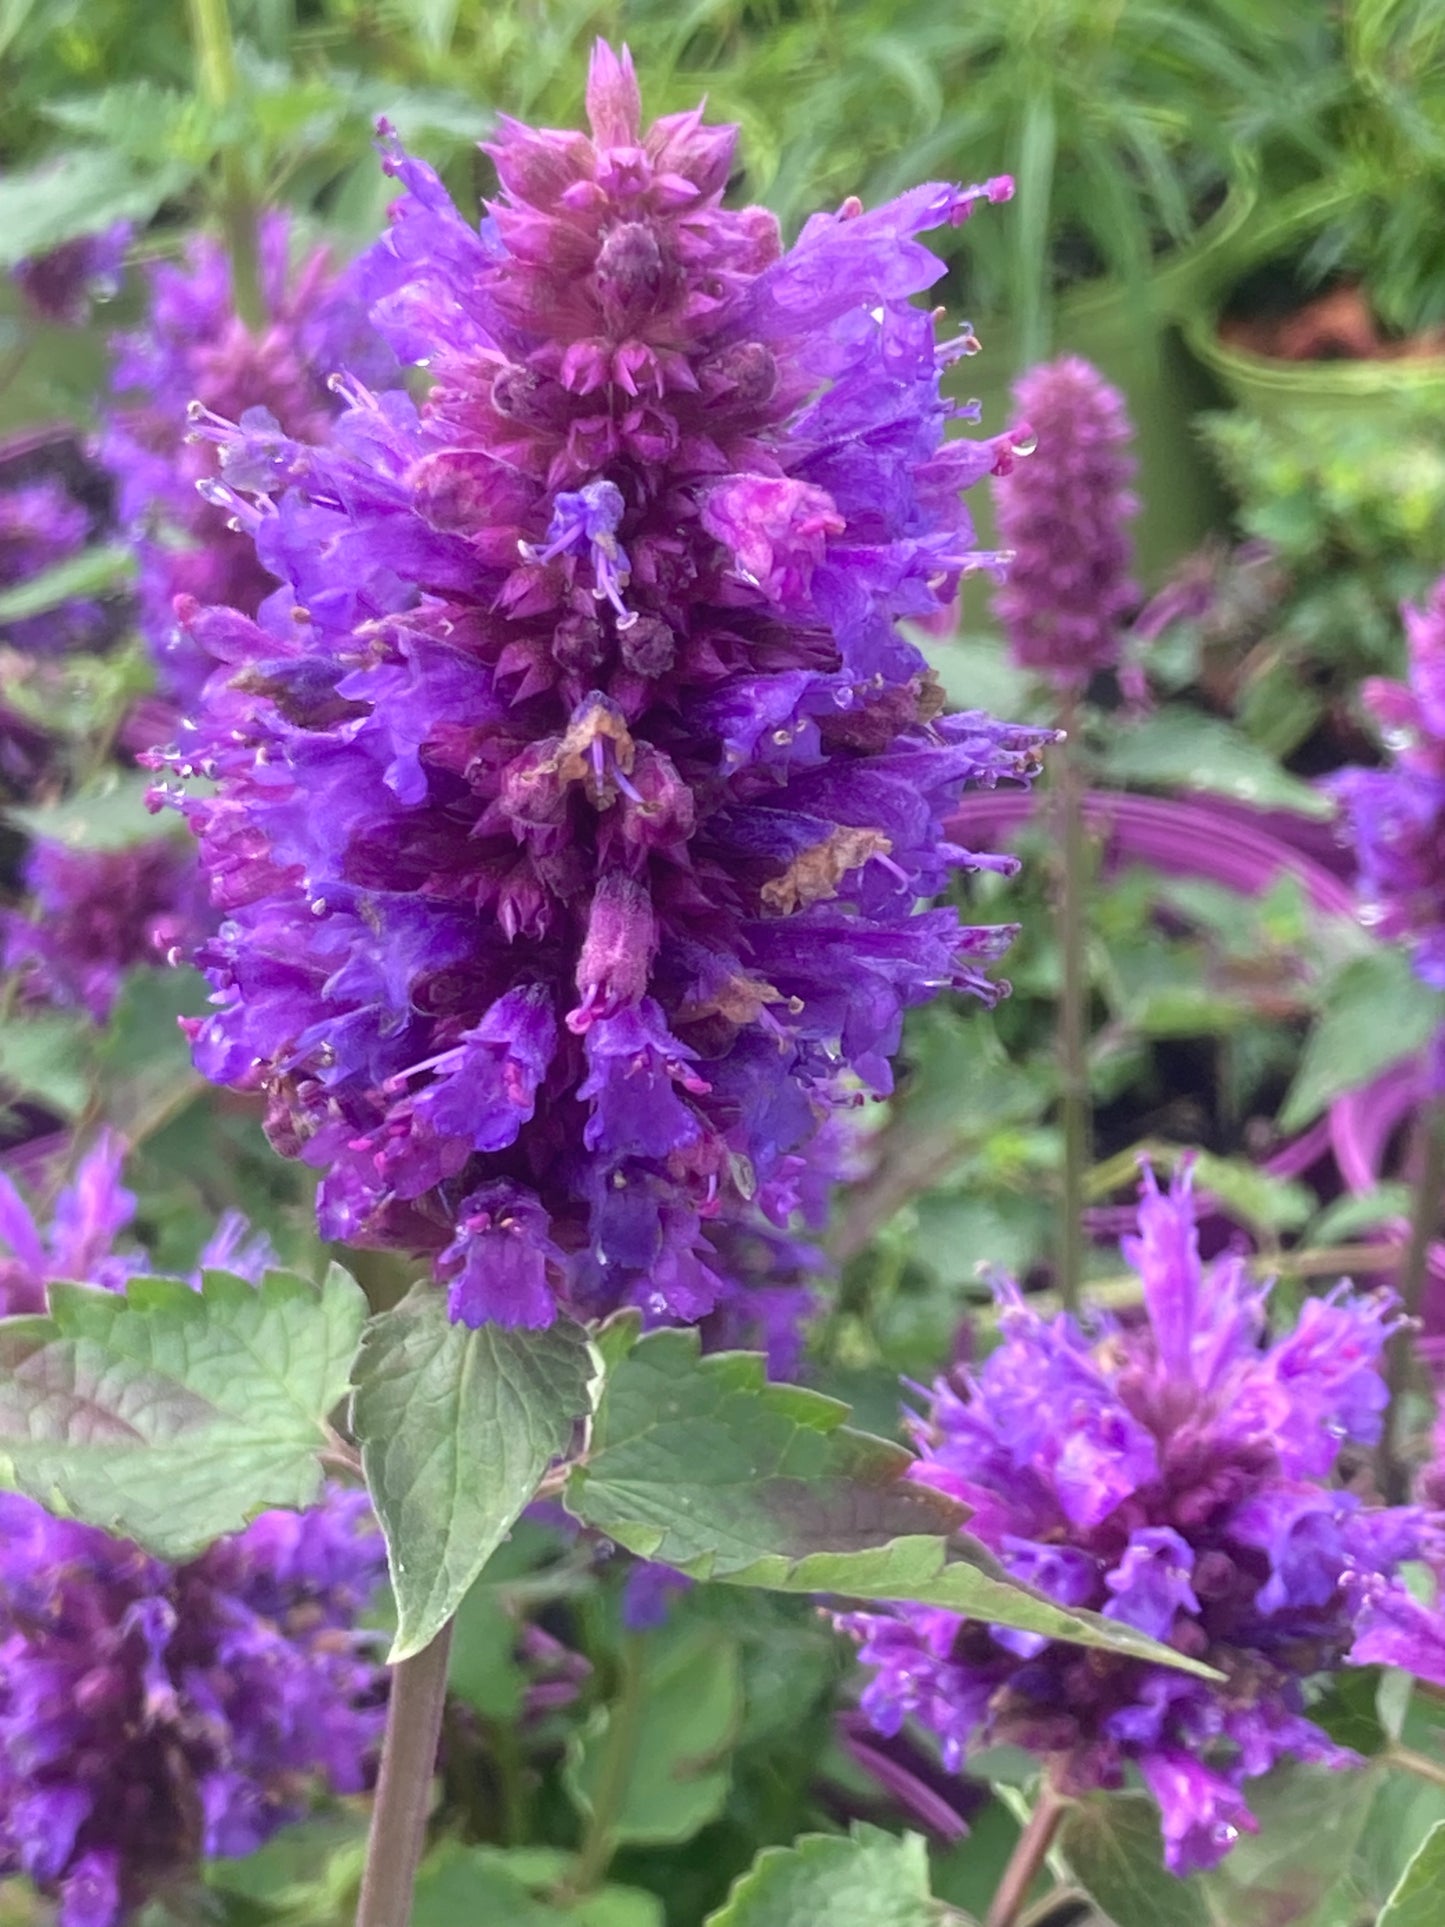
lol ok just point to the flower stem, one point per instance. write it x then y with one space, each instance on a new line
624 1729
219 84
1027 1858
1073 1003
1424 1222
1420 1764
403 1788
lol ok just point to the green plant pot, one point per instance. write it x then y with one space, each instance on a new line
1131 335
1283 391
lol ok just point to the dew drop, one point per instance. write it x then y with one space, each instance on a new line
1026 445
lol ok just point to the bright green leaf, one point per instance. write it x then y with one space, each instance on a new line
701 1463
1375 1012
678 1734
1113 1847
172 1416
86 574
493 1887
1180 748
1420 1896
868 1879
456 1429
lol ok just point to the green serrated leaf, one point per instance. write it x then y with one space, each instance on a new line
1113 1847
456 1429
1376 1011
705 1465
1420 1896
869 1879
172 1416
1180 748
86 574
687 1717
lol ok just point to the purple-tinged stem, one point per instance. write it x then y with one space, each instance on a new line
403 1787
1073 1001
1026 1859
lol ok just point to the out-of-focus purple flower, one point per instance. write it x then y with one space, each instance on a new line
195 354
41 526
63 284
78 1244
1174 1475
1065 516
151 1714
647 1594
578 794
1396 816
92 915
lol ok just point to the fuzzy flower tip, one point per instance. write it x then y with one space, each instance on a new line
151 1715
196 356
1175 1475
1395 817
1065 516
92 915
578 794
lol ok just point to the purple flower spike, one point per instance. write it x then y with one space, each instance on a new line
578 795
152 1714
41 526
1173 1475
1064 514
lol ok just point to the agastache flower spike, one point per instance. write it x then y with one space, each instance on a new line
1065 518
1175 1475
578 795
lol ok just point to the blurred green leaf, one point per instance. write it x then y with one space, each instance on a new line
145 1074
1375 1011
1113 1848
519 1887
678 1735
705 1465
1180 748
86 574
456 1429
107 814
868 1879
171 1416
1290 1873
48 1056
77 193
482 1667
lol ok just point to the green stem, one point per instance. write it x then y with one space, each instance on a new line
1073 1005
1424 1222
1420 1764
219 84
624 1729
403 1787
1026 1859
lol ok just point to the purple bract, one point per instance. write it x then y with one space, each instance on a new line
578 794
1175 1475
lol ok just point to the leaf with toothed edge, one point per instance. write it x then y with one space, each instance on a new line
457 1429
703 1464
172 1416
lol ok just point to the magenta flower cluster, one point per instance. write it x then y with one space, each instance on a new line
1064 521
577 797
1176 1475
196 351
153 1714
